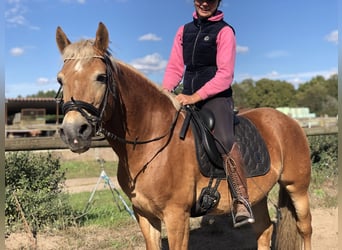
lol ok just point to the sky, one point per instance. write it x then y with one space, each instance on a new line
290 40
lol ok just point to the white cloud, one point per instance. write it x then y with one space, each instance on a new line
15 15
17 51
242 49
277 54
43 80
149 37
273 74
332 37
16 20
150 63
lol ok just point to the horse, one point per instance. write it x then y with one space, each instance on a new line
157 170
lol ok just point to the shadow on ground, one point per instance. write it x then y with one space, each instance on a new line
217 233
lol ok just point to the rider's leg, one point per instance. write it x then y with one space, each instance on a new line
223 109
234 167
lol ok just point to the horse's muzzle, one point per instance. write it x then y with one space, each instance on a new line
77 135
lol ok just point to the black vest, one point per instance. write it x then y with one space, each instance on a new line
199 54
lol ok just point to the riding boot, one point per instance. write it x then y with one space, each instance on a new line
234 168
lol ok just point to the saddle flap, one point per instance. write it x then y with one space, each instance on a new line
208 118
202 123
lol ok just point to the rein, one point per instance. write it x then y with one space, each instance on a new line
94 116
111 135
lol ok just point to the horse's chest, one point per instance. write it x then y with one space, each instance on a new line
146 203
142 197
140 200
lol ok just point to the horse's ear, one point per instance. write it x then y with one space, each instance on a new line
102 38
61 39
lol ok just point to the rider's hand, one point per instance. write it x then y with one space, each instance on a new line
188 99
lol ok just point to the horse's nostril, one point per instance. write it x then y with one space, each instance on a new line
83 128
61 131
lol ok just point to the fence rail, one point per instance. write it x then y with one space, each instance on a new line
317 122
321 130
42 143
54 142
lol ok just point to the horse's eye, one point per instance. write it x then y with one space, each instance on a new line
101 78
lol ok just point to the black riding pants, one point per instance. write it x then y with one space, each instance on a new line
223 110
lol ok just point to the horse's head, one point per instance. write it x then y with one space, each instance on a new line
85 82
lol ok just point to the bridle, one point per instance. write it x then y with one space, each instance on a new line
94 115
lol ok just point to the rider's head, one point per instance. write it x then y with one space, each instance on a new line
206 8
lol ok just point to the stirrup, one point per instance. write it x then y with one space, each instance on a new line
248 220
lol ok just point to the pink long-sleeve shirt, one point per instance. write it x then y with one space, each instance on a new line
225 60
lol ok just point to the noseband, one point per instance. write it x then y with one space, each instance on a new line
92 114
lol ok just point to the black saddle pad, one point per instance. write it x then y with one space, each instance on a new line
252 146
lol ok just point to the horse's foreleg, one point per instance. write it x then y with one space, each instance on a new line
263 226
177 225
151 230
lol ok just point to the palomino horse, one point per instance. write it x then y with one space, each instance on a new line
157 170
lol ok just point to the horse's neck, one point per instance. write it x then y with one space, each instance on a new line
143 101
143 111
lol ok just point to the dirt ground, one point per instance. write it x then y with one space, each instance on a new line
206 233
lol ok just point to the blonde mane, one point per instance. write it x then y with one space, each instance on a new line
168 94
82 49
171 96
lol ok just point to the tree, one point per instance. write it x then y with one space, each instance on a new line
270 93
240 93
332 86
319 95
43 94
329 106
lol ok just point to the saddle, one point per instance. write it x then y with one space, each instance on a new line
253 148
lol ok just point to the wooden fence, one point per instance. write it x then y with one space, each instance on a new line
323 122
42 143
54 142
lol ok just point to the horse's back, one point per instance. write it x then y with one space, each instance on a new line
286 141
272 123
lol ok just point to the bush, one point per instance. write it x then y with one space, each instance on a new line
324 150
324 170
36 181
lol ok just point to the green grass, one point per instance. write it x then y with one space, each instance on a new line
103 210
87 169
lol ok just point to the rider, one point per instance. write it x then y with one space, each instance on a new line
206 48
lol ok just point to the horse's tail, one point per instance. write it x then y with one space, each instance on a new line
287 236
